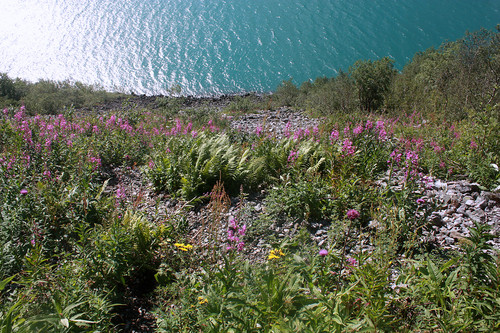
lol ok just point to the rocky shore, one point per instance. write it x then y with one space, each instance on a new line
129 102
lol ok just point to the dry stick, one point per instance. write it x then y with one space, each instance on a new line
219 204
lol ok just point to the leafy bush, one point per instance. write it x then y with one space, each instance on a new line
286 94
242 105
50 97
124 250
302 200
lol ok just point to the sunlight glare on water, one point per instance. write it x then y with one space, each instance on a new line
216 46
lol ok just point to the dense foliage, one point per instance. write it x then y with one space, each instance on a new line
50 97
447 82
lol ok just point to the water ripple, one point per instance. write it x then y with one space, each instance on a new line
219 46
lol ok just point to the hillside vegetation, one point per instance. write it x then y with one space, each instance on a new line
139 218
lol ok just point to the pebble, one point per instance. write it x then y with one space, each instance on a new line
461 205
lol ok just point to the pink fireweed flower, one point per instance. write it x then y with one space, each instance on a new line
358 130
288 126
352 262
233 224
20 114
420 201
369 125
323 252
188 128
411 158
127 127
111 121
298 134
473 144
395 156
437 148
24 191
96 161
242 230
382 135
233 241
352 214
380 125
178 125
347 129
334 136
348 148
258 130
120 193
293 156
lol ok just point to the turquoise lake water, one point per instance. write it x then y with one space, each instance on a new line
221 46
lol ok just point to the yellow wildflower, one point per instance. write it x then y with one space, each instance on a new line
275 254
202 300
183 247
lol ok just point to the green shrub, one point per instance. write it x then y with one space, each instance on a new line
299 199
286 94
242 105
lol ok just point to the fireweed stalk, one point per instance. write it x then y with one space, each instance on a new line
351 215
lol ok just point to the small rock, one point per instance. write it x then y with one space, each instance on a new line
440 185
457 235
475 187
473 216
435 219
481 203
451 210
449 240
320 232
446 199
